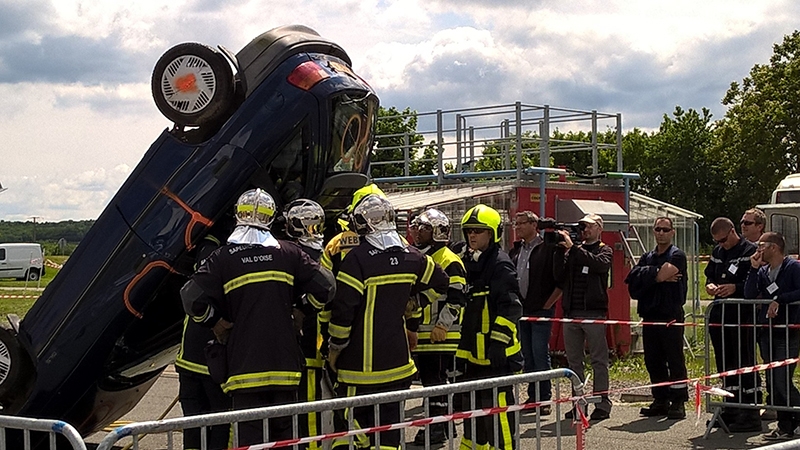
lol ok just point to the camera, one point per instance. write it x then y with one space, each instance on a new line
549 226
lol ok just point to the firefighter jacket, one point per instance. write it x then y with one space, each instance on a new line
583 277
336 249
493 309
310 328
367 314
333 254
658 301
191 357
730 266
454 300
254 287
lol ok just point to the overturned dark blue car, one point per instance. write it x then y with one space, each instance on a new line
287 114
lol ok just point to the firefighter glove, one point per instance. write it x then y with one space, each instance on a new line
439 333
222 329
412 339
334 350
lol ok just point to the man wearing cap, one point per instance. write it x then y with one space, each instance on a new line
583 278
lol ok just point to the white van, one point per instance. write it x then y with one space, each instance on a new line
21 261
788 190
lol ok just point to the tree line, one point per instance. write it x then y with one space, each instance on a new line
57 238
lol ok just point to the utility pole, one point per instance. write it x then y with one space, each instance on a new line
34 226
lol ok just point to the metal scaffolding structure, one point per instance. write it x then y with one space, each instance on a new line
461 135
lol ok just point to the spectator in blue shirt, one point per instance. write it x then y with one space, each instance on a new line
775 276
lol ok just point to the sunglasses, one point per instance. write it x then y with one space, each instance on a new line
725 239
662 229
474 230
747 222
764 244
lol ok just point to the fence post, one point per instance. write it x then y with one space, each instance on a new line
518 117
595 161
440 148
544 154
459 142
619 142
406 155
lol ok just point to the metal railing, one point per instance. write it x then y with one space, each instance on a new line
172 426
739 340
25 426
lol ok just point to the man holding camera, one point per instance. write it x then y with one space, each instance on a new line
583 276
534 260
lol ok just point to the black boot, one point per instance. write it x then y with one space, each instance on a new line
747 421
438 435
658 408
677 410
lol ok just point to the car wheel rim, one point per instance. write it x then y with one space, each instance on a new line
5 362
188 84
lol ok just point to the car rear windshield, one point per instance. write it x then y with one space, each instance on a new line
353 121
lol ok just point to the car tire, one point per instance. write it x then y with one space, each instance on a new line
33 275
193 85
17 372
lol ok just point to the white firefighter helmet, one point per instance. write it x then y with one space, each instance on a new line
437 221
373 214
305 219
255 208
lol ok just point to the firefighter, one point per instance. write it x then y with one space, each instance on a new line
368 348
339 245
246 289
337 248
304 224
489 346
439 330
198 393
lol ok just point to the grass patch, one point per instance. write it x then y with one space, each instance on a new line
20 306
49 274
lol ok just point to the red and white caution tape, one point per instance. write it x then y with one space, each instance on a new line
673 323
402 425
699 390
52 264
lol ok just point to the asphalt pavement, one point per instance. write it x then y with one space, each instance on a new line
624 430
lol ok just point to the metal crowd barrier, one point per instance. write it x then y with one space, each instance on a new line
26 426
171 426
743 342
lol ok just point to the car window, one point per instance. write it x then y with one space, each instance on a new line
788 227
2 254
353 122
288 171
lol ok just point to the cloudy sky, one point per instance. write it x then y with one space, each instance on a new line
76 113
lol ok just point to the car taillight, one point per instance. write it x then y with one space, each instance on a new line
307 74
